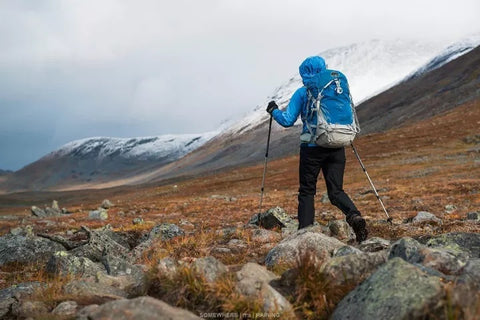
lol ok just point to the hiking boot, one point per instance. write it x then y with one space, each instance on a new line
358 225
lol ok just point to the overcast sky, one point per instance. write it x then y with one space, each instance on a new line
81 68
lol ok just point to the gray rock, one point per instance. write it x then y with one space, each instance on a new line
407 249
36 211
26 308
253 282
99 214
340 229
397 290
23 249
265 236
144 308
92 291
302 242
133 282
458 241
324 198
55 205
62 263
210 268
471 273
138 220
475 216
66 308
353 268
11 295
426 217
100 247
106 204
237 245
446 261
449 208
346 250
167 267
374 244
274 217
166 231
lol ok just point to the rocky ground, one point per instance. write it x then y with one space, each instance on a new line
193 248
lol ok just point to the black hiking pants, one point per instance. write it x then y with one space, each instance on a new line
332 164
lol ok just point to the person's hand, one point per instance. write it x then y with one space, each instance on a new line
271 106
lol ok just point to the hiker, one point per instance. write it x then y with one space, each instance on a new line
313 158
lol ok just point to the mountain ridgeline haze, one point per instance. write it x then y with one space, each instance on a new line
391 82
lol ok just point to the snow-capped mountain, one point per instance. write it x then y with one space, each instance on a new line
452 52
142 149
371 67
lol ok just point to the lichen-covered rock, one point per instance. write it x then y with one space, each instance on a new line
145 308
265 236
165 231
458 241
62 263
426 217
106 204
66 308
397 290
93 291
11 295
340 229
374 244
302 242
353 268
253 281
474 216
274 217
26 249
470 274
25 309
405 248
99 214
346 250
210 268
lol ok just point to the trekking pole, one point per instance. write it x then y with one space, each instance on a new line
371 183
265 169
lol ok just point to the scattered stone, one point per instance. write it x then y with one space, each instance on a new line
397 290
25 249
426 217
458 242
91 291
13 294
237 245
138 221
99 214
145 308
473 216
450 208
341 230
346 250
106 204
226 198
25 309
210 268
66 308
166 231
55 205
36 211
302 242
352 268
324 198
265 236
274 217
374 244
62 263
253 281
405 248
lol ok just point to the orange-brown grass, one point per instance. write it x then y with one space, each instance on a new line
188 289
314 295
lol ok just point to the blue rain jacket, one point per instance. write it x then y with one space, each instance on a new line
315 76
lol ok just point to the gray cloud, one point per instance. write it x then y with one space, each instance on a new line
74 69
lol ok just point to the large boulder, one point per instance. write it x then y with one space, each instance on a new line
62 263
26 249
458 241
10 296
145 308
289 250
210 268
397 290
93 291
352 268
165 231
341 230
253 281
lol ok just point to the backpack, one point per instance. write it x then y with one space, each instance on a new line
336 121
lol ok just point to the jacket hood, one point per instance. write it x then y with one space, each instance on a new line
310 70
